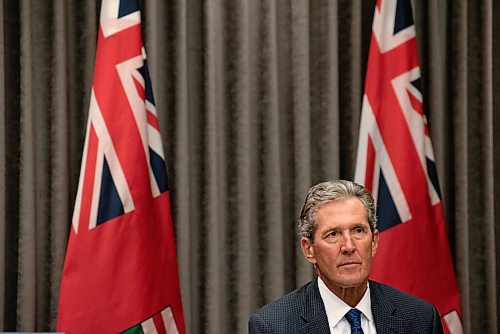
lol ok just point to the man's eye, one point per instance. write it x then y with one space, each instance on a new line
332 234
359 230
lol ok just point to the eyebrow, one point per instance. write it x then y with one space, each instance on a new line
355 225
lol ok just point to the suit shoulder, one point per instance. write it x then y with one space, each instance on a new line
281 315
400 298
416 315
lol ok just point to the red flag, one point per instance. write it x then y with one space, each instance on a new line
396 163
120 271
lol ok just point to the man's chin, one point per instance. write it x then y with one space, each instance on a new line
352 283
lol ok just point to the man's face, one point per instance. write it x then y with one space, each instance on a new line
343 244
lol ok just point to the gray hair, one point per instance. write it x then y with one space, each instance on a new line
330 191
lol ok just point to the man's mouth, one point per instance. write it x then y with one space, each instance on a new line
349 264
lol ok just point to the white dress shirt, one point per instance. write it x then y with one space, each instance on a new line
336 308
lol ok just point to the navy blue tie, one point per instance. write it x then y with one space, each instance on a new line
354 318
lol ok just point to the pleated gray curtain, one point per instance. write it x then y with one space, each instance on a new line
257 100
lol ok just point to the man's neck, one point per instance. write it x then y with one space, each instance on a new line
350 295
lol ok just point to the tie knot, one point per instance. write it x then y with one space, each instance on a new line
354 319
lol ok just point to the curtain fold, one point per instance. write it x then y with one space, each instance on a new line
10 152
34 97
3 173
257 101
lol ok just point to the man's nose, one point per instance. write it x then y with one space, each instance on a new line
347 244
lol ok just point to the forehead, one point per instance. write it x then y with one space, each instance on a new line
348 210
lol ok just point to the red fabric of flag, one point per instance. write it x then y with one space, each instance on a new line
396 163
120 269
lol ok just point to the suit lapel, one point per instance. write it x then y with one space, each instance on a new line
383 312
313 311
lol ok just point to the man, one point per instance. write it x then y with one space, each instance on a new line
338 230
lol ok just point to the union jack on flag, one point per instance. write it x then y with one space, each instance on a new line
120 272
395 161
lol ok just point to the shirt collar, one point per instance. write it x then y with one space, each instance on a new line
336 308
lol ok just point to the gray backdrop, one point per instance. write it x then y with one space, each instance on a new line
257 99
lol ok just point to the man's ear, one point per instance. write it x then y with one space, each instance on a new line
308 249
375 242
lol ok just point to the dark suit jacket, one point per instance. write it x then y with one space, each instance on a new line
302 311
